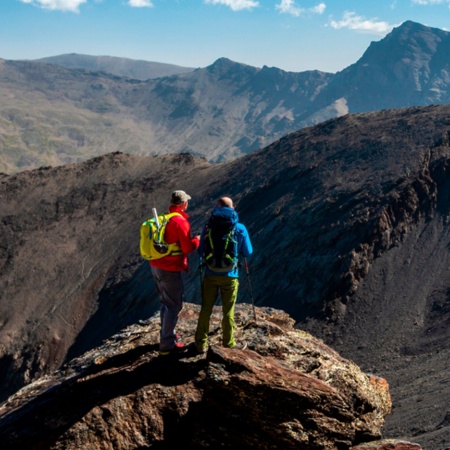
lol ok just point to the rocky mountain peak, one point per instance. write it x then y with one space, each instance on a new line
411 42
225 66
410 67
286 389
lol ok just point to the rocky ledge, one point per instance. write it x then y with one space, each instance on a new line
287 390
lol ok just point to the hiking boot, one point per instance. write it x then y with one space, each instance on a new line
196 349
177 337
179 347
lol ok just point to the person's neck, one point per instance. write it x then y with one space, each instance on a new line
179 207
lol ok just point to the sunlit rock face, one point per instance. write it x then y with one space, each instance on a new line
285 389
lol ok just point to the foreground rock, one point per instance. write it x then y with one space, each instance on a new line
287 389
388 444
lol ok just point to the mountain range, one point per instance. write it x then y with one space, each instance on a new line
51 114
341 179
349 221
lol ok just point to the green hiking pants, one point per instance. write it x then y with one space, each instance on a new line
228 289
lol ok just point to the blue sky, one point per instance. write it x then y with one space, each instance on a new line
293 35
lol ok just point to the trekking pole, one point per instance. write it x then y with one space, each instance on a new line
250 286
200 272
155 215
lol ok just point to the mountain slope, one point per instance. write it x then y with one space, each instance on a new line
52 115
349 220
77 224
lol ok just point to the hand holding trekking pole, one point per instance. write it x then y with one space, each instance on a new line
250 286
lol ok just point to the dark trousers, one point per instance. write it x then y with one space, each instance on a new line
170 288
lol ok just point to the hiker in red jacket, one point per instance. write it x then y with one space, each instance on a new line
167 272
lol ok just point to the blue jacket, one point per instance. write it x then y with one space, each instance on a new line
244 245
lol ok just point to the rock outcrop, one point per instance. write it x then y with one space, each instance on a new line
287 389
388 444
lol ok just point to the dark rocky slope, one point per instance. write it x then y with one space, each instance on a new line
349 220
64 234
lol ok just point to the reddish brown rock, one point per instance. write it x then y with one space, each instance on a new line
388 444
286 390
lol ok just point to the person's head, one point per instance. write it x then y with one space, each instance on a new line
180 199
225 201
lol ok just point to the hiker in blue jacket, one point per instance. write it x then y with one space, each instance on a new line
220 252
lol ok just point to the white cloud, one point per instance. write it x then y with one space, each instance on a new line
318 9
432 2
140 3
289 7
235 5
357 23
61 5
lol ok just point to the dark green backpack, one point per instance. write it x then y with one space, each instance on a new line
220 240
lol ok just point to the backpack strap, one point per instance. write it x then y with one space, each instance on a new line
158 235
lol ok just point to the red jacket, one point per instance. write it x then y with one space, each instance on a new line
178 230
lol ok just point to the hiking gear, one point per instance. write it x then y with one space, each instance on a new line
250 286
170 288
179 197
220 240
155 215
177 230
243 244
152 243
200 274
228 288
179 347
198 350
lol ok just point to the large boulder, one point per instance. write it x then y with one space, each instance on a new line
286 389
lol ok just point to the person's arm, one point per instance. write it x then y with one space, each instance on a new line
245 246
187 243
202 242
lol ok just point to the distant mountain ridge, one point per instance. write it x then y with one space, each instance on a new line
51 115
122 67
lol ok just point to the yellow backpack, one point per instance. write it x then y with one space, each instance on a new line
152 244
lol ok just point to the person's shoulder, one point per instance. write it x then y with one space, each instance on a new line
241 227
179 221
179 217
